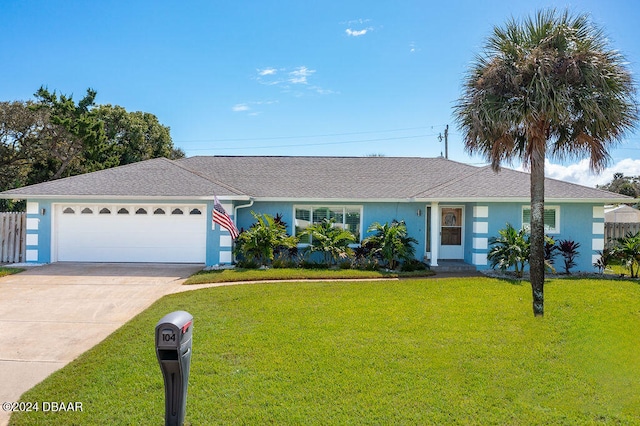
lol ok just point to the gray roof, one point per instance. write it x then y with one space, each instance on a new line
152 178
308 178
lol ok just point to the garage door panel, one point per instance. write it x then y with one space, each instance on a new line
131 237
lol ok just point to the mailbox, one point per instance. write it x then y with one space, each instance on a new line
173 349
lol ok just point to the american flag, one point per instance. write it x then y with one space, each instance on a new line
220 216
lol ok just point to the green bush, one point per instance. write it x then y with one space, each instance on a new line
390 244
329 240
627 250
414 265
263 240
510 249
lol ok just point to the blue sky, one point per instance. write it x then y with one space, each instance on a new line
283 77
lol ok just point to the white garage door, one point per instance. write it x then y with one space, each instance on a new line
130 233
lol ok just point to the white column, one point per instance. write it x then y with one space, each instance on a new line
435 232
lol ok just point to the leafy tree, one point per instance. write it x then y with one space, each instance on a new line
20 129
73 134
621 184
54 137
135 136
390 243
546 85
330 240
511 249
259 243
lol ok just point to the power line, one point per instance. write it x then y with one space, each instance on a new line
308 136
312 144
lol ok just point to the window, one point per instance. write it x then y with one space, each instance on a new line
346 217
141 210
158 211
68 210
105 210
86 210
551 219
195 211
123 211
177 211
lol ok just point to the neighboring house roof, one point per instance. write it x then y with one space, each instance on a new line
622 214
309 178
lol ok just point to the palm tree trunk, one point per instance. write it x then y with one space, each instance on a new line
536 259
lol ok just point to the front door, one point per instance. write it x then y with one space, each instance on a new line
451 233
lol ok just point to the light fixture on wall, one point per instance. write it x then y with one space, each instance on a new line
43 211
419 212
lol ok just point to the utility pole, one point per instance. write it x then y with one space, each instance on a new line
446 142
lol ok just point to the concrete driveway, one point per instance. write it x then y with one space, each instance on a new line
51 314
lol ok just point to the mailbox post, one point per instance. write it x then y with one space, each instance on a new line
173 349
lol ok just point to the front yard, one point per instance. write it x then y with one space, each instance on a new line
4 271
418 351
240 274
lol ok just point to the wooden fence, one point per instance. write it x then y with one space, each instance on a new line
613 230
13 229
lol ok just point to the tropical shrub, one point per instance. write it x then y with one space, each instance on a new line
605 258
627 249
259 244
550 249
363 260
569 251
390 243
413 265
510 250
329 240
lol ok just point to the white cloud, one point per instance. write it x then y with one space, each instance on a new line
267 71
299 75
359 21
240 108
356 33
579 172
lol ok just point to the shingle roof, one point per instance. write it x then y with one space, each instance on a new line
153 178
308 178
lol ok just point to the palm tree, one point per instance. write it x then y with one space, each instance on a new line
263 239
391 243
547 85
330 240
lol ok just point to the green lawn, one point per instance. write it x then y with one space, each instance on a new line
240 274
422 351
8 271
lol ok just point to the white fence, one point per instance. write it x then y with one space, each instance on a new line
13 228
614 230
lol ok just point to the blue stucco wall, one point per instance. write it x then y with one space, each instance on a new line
371 212
39 225
577 222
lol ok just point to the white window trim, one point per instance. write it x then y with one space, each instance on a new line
331 206
527 226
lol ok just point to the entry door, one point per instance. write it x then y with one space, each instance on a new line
451 233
